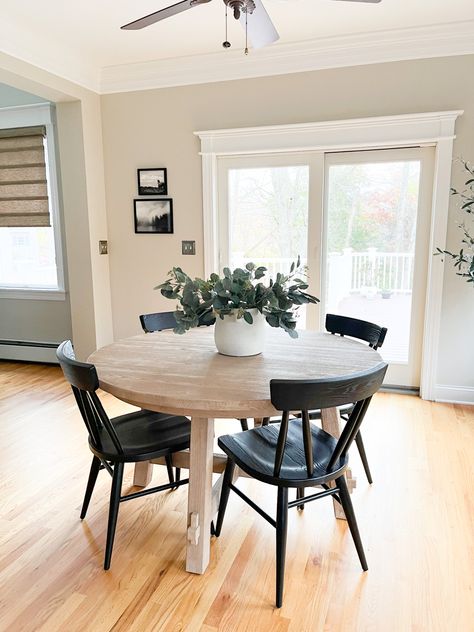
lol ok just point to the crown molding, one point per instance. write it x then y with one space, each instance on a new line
455 38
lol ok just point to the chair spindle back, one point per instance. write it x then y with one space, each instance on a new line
84 382
306 395
355 328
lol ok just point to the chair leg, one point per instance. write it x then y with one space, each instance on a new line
113 512
363 456
351 519
177 475
300 494
225 491
281 531
94 471
169 467
244 424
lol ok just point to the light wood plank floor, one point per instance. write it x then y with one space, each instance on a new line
416 522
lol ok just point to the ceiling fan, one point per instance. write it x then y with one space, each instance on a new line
261 30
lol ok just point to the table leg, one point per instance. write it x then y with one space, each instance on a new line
142 473
330 423
200 495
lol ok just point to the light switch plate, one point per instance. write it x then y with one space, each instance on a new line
188 247
103 247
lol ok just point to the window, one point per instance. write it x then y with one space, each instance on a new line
30 245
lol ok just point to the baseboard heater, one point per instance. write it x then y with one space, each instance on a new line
28 350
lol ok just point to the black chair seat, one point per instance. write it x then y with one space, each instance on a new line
254 452
141 433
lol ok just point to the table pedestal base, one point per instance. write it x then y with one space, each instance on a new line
200 494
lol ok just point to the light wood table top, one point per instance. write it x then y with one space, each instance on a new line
185 374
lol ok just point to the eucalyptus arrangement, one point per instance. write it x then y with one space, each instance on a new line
239 294
463 260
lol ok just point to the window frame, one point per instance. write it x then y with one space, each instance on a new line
404 130
30 116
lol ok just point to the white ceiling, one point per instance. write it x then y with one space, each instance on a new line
58 34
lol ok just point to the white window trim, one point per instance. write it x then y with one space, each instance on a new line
30 116
407 130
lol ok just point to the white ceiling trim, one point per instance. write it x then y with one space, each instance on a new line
455 38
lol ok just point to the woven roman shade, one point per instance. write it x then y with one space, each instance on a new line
23 188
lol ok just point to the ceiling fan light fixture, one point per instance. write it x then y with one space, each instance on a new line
240 6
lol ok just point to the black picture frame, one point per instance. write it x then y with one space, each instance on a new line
153 216
152 181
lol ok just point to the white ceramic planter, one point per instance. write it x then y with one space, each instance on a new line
234 337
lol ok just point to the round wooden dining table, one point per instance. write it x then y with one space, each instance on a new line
186 375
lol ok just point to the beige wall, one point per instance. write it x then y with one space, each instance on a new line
155 128
83 197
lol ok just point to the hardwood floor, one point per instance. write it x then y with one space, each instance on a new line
416 522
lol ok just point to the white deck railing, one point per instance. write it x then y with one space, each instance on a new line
352 271
391 271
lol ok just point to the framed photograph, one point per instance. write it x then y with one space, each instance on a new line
153 216
152 181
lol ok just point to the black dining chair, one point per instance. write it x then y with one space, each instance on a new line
137 436
295 453
160 321
157 321
361 330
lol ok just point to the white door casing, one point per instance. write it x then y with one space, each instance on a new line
407 130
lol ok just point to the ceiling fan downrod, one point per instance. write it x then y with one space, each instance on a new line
240 6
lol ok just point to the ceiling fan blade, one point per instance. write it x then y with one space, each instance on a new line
261 29
162 14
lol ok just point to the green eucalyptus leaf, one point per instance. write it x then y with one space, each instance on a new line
248 318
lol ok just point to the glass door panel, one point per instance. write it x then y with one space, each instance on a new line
268 216
264 213
374 209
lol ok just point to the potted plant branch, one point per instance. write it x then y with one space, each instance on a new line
240 303
463 260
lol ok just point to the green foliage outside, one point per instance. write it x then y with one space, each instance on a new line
269 212
373 205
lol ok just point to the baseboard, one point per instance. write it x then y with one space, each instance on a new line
454 394
28 351
400 390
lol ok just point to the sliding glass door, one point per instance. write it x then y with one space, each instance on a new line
377 210
360 222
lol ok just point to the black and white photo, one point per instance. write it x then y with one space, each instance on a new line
152 181
153 216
